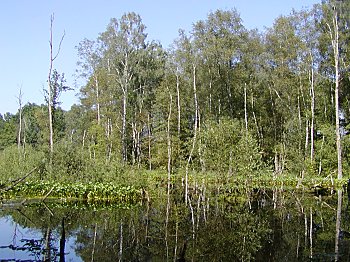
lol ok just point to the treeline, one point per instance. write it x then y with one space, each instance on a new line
222 99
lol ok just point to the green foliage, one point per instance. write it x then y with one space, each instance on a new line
247 159
229 149
57 85
325 146
219 140
7 130
16 163
69 162
262 100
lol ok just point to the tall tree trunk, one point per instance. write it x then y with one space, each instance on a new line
312 94
337 124
24 133
49 88
169 140
200 152
138 149
126 77
19 137
83 140
210 92
109 131
245 108
134 143
194 132
149 142
306 136
178 104
334 34
124 146
178 112
97 100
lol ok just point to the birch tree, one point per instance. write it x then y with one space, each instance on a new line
335 24
122 42
90 61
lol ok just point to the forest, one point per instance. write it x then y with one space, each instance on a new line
221 102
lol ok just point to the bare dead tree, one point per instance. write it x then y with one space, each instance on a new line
19 136
49 88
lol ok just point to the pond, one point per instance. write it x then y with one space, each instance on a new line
235 225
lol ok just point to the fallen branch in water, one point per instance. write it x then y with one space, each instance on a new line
17 181
48 194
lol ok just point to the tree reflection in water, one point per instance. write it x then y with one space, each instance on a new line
260 225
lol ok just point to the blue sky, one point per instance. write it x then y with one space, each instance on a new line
25 28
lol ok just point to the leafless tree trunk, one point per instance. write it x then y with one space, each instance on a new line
19 138
49 88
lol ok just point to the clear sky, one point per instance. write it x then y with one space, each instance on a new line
25 29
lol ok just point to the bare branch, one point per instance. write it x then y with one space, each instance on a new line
59 46
53 58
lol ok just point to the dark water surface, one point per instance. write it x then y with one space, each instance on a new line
250 225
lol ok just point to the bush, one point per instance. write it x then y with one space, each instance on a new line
228 148
15 163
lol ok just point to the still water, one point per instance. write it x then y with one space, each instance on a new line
245 225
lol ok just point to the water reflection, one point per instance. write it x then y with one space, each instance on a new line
22 243
260 225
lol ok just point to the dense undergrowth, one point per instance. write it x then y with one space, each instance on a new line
73 175
138 185
243 110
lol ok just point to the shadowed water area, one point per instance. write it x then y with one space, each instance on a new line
235 225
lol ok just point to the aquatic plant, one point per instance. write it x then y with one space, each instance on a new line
89 191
